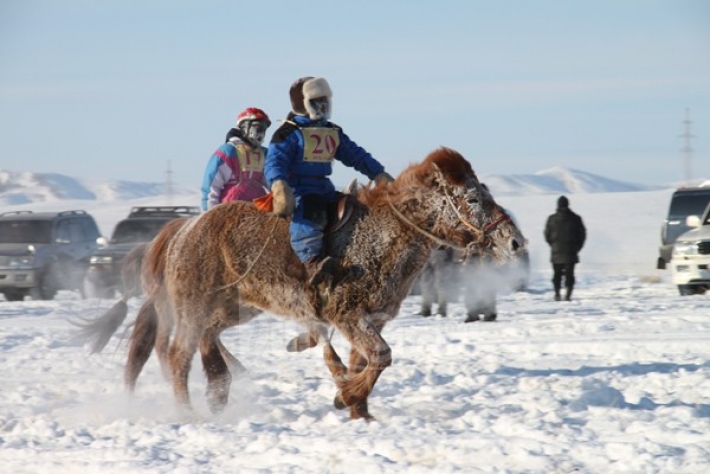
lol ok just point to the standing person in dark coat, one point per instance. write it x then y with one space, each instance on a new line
565 233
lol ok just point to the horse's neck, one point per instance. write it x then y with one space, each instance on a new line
377 239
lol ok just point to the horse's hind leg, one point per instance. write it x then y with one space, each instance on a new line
180 352
219 378
218 363
166 323
142 343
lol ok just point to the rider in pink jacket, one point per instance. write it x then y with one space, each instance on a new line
235 172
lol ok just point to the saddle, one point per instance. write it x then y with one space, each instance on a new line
337 212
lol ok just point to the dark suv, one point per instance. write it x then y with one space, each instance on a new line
43 252
142 224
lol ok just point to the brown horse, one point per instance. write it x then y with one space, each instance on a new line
210 273
218 275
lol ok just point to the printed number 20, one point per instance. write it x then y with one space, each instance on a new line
323 146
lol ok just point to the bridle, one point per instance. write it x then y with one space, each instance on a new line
481 232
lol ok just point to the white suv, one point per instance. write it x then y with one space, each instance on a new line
690 261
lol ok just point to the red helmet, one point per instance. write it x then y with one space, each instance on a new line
252 113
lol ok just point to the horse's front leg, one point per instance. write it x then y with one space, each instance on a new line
357 365
370 355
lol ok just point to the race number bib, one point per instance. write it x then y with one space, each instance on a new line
250 160
320 144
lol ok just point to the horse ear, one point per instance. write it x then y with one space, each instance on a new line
439 174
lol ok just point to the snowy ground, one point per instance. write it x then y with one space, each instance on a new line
617 380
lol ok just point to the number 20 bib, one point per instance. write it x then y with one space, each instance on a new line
320 144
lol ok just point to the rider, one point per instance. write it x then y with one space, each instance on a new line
298 164
235 172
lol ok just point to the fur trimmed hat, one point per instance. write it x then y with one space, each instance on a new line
305 89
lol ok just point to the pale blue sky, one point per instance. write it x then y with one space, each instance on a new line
114 89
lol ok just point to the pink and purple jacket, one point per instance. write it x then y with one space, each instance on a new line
235 172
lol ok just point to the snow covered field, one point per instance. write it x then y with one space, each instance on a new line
618 380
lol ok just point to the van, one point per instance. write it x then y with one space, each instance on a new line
684 202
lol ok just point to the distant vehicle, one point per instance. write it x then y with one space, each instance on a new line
103 277
684 202
690 262
44 252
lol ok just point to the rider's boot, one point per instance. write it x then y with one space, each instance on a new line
322 269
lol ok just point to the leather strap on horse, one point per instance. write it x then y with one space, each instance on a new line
505 217
422 231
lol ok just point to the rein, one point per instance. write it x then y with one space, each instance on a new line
258 256
422 231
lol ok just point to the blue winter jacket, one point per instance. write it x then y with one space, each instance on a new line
284 160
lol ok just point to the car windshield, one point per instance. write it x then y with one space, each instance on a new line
134 231
25 232
684 205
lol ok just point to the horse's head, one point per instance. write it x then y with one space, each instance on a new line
457 209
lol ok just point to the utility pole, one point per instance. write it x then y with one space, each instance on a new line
169 185
687 149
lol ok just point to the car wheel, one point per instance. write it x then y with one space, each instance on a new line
15 295
687 290
46 287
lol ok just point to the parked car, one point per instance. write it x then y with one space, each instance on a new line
103 277
690 262
44 252
684 202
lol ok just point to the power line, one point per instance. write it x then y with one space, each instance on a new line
169 185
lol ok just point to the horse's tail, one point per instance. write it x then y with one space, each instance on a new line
99 331
143 340
131 271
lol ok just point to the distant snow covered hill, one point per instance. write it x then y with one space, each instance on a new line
558 180
17 188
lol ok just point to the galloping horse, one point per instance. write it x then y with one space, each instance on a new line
210 273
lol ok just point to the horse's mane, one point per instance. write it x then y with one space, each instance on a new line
452 165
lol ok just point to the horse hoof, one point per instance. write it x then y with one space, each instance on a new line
338 402
302 342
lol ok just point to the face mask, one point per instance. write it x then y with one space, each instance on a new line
255 133
319 108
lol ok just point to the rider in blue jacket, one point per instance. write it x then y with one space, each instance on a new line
298 165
